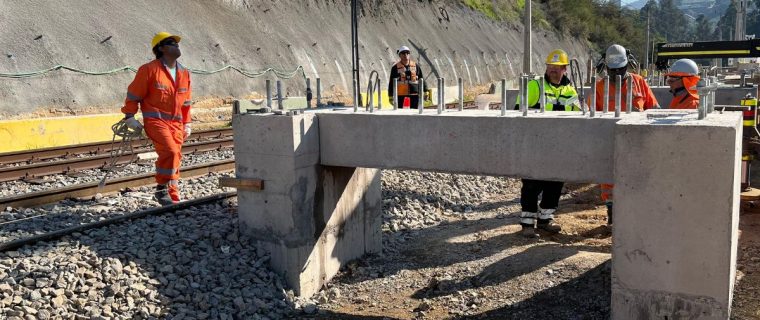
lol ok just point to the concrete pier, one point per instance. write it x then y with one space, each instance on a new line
676 196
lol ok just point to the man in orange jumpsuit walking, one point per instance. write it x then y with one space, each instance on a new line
682 80
616 61
161 90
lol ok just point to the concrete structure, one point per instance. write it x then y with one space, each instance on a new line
676 198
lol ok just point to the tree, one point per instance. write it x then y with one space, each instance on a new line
703 28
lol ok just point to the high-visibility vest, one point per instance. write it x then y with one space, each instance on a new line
403 82
562 97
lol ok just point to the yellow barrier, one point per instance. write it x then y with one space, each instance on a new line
386 100
18 135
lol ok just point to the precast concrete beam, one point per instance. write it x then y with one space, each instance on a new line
562 146
676 215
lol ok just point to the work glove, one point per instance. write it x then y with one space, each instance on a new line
133 124
188 130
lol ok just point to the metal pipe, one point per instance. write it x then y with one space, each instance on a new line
319 92
524 106
443 94
528 34
421 101
504 96
618 94
379 95
541 95
370 96
356 97
460 84
279 95
395 93
629 93
269 94
592 104
606 102
308 93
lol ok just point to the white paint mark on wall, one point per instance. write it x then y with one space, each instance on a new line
342 76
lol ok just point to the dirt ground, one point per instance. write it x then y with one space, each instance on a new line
477 266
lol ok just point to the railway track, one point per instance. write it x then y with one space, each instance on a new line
96 148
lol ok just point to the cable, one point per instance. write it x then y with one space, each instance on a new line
250 74
120 129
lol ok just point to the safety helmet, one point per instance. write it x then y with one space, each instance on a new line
161 36
402 49
683 68
558 58
616 57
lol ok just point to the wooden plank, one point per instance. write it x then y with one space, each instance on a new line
246 184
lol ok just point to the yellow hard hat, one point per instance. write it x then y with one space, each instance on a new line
558 58
161 36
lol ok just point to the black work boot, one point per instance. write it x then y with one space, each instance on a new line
546 221
162 195
527 221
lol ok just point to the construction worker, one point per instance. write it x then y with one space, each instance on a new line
682 79
408 74
616 61
560 96
161 90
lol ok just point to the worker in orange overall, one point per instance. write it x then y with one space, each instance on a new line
408 74
161 91
616 62
682 80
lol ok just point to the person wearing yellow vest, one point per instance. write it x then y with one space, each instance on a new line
560 96
408 74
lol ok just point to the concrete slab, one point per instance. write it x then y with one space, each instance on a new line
676 221
472 142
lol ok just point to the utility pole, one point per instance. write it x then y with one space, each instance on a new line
646 47
527 47
741 15
356 84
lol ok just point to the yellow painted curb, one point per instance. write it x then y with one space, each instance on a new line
18 135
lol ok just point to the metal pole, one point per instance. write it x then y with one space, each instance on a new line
629 93
504 96
279 95
618 94
460 84
541 95
443 94
524 106
379 95
592 104
421 101
269 94
646 56
527 46
308 93
395 93
356 97
440 96
606 102
319 93
370 98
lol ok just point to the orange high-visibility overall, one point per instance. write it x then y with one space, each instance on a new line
165 105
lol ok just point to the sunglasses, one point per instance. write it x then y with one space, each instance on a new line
672 79
172 43
404 52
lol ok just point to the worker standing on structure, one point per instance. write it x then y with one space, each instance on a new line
560 96
617 62
161 90
408 74
682 79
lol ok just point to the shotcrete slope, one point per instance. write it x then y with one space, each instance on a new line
253 35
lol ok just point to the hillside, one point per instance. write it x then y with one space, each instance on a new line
448 38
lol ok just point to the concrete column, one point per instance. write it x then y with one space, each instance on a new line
311 218
676 216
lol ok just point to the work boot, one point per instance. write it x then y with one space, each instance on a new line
527 221
549 225
546 221
162 195
609 213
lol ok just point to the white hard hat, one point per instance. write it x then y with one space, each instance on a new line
615 57
684 67
402 49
